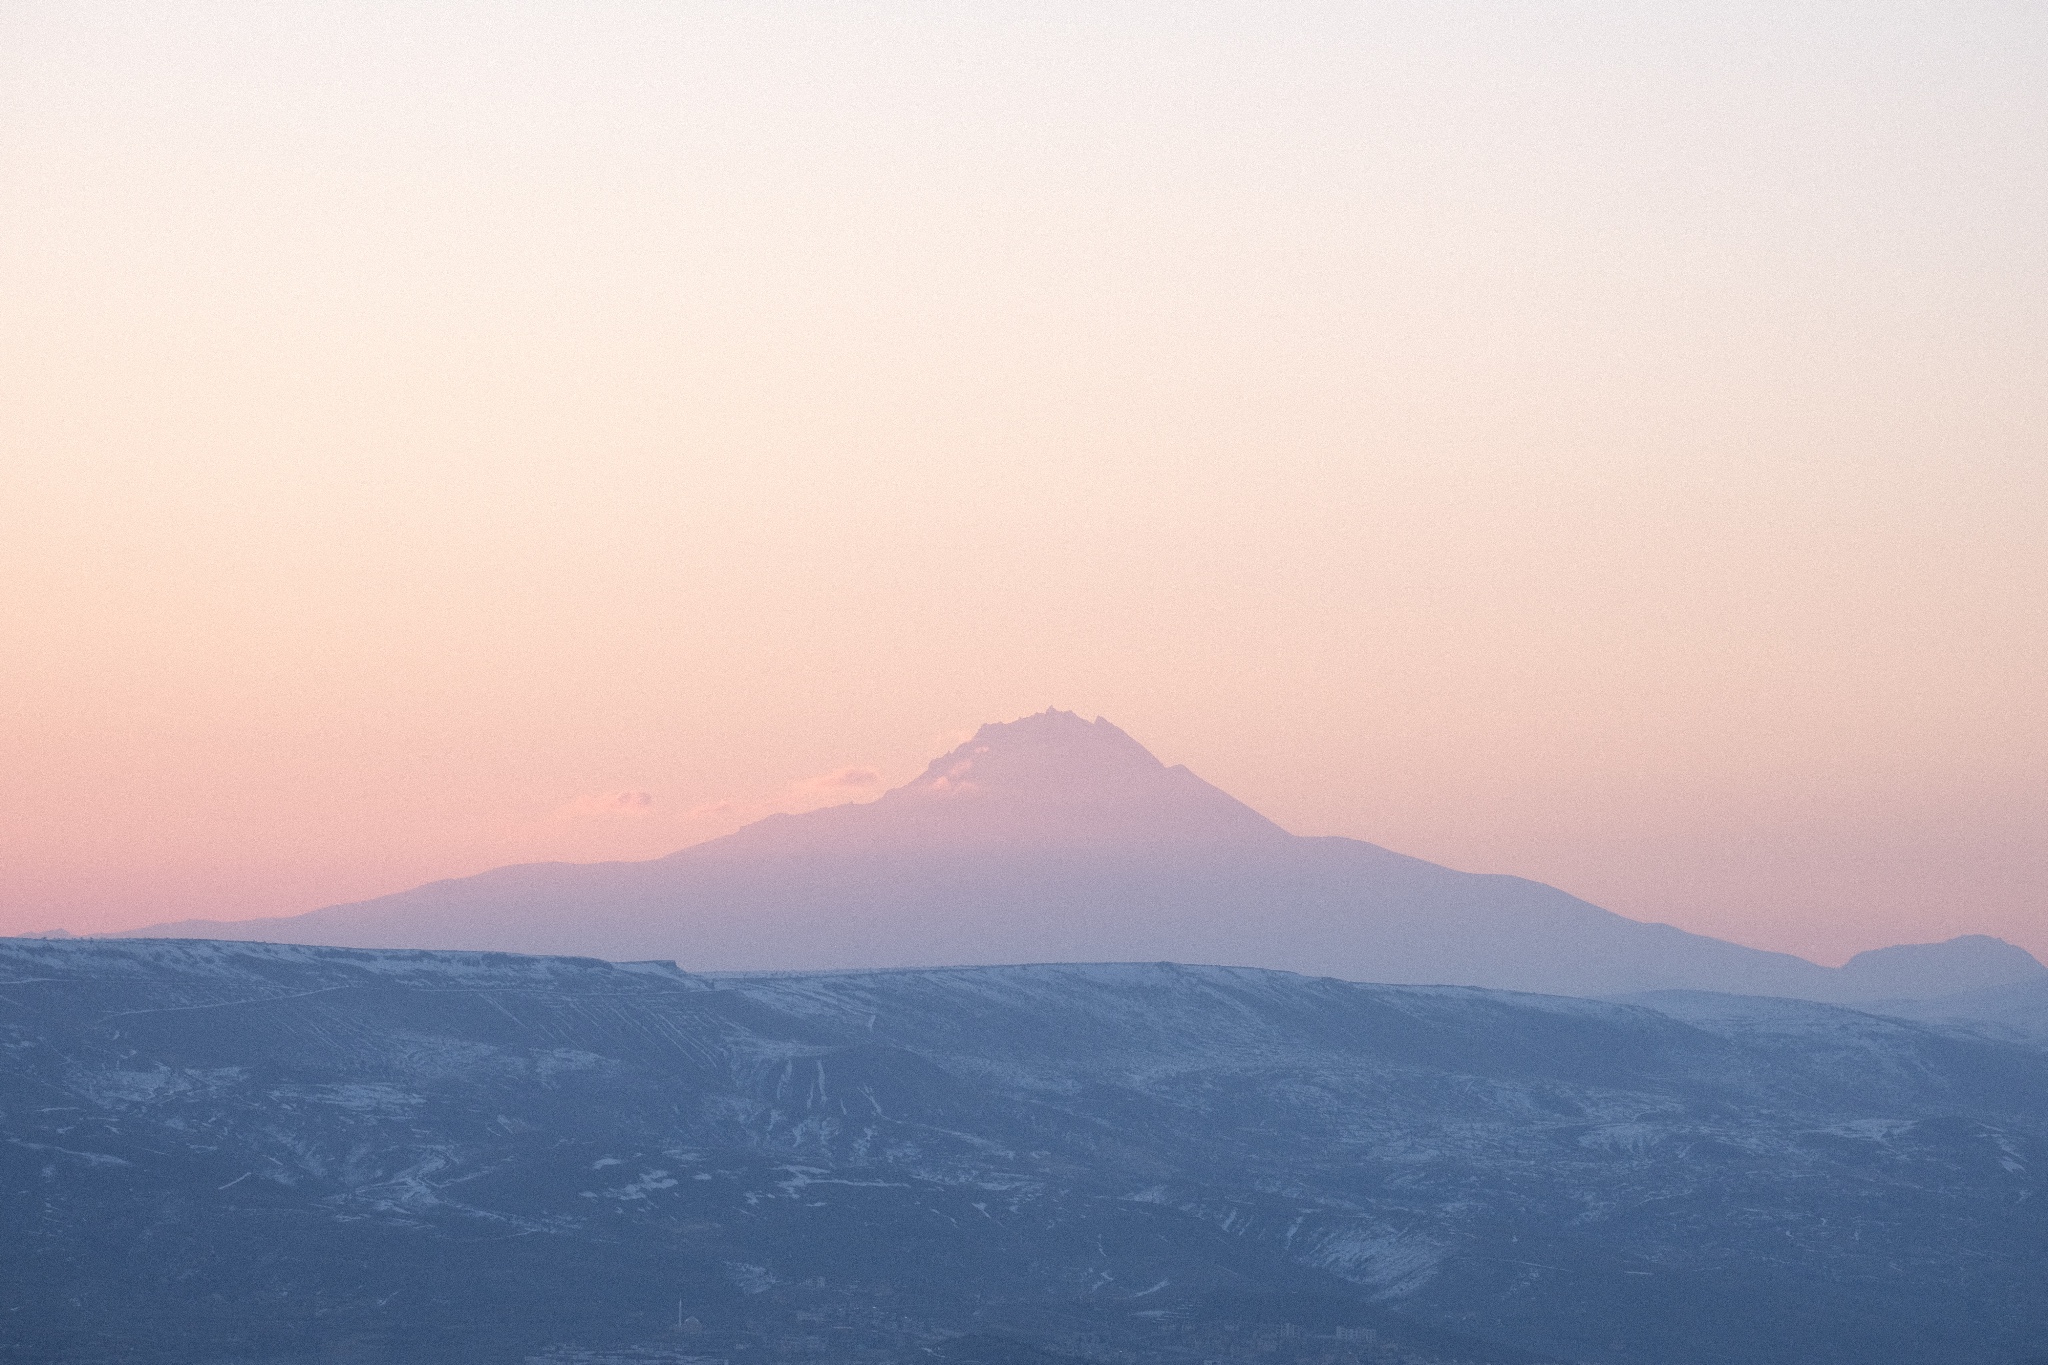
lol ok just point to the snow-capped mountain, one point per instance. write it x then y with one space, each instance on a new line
1056 839
218 1151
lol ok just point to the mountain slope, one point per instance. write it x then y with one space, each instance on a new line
1056 839
2017 1012
235 1151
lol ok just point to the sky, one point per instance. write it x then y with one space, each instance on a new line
1601 442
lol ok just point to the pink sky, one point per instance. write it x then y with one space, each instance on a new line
1609 450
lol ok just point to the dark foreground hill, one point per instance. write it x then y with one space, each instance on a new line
217 1152
1054 839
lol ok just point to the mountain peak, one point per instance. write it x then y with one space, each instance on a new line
1054 778
1923 970
1052 750
1050 780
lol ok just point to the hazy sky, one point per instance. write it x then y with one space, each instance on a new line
1604 442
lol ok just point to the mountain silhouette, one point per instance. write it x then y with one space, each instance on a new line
1054 838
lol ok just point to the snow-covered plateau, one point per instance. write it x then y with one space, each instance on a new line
242 1151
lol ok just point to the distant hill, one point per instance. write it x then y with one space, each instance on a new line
1053 838
2018 1011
